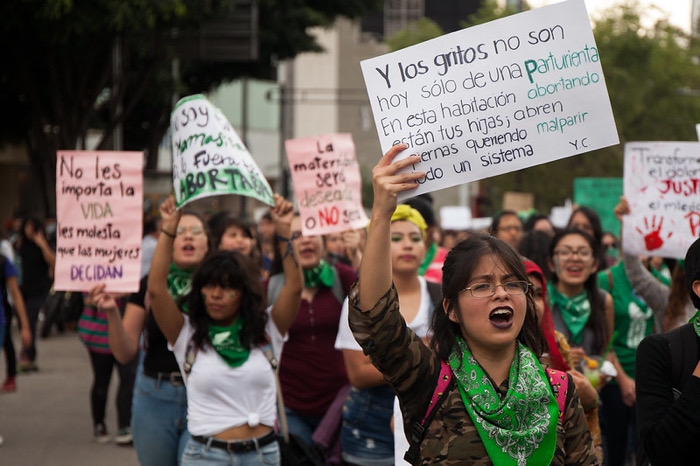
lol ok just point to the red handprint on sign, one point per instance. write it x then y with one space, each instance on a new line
653 240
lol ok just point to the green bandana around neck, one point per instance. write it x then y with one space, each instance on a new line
179 284
227 342
322 274
695 320
428 259
521 429
574 310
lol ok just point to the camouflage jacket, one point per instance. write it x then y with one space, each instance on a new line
412 369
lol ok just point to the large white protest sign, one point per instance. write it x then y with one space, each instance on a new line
494 98
662 186
209 158
327 183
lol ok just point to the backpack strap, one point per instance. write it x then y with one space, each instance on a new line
559 381
444 384
190 356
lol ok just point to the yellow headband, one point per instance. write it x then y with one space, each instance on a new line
409 214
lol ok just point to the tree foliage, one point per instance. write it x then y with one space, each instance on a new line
58 80
652 79
414 33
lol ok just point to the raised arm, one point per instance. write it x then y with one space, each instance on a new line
163 306
284 309
123 334
387 183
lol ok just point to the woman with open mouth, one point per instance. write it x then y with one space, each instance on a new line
500 406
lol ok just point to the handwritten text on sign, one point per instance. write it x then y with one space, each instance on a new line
327 183
662 186
209 158
99 201
494 98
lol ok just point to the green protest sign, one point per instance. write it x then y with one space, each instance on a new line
601 195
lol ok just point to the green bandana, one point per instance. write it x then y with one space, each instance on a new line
322 274
521 429
574 310
695 320
428 259
227 342
179 284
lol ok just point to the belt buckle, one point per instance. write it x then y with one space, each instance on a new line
176 378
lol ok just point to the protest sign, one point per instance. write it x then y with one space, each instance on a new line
601 195
494 98
455 217
99 206
209 158
661 184
327 183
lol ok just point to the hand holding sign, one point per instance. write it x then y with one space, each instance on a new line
388 182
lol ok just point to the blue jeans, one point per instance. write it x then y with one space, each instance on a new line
158 421
199 454
366 434
302 425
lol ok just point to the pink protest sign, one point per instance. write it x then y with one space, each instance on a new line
327 183
99 206
661 184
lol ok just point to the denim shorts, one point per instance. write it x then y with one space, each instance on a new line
366 435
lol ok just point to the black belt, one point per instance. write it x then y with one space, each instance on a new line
174 378
237 446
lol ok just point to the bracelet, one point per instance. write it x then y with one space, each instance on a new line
289 251
167 233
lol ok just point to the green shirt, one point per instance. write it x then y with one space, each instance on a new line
633 318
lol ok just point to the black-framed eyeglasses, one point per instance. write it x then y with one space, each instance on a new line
486 290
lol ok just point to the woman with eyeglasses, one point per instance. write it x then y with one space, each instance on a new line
582 312
502 406
159 406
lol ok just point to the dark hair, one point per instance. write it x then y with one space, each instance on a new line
424 207
458 269
529 224
594 220
229 269
597 320
150 225
222 221
496 220
692 270
535 246
35 221
677 298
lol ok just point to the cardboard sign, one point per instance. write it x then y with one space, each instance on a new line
601 195
209 158
662 187
99 206
327 183
494 98
518 202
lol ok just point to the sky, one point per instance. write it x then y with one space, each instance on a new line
678 11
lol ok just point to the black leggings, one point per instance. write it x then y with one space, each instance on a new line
102 366
8 345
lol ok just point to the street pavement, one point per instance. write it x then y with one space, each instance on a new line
47 422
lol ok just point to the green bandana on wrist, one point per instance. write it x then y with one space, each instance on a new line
521 429
322 274
227 342
574 310
179 284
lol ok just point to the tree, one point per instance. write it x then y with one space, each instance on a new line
651 74
58 77
414 33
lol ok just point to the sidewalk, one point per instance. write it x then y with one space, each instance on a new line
47 422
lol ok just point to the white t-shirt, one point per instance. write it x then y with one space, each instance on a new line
220 397
420 323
